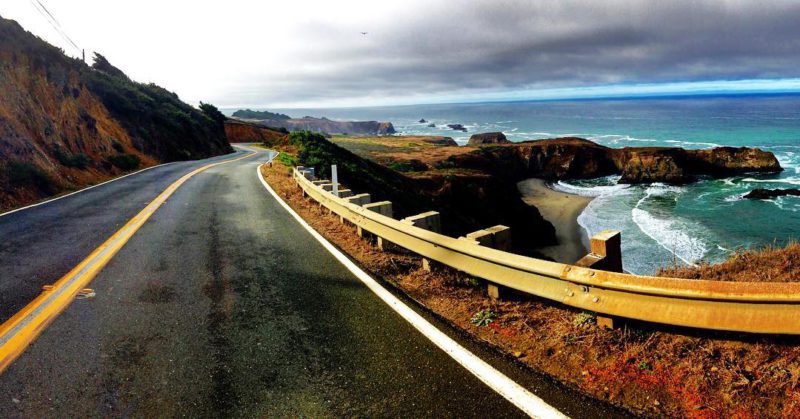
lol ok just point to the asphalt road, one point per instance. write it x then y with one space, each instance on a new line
222 305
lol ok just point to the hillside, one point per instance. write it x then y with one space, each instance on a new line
466 203
65 125
247 132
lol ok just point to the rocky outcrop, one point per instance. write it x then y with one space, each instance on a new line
247 132
488 138
328 126
441 141
457 127
422 121
771 193
578 158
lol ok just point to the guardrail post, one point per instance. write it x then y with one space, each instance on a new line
605 254
360 199
429 221
382 208
497 237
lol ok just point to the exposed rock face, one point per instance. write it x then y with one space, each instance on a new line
488 138
247 132
771 193
422 121
328 126
578 158
457 127
442 141
431 125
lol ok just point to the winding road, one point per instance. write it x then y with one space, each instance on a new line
223 305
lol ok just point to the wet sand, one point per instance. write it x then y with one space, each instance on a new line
562 210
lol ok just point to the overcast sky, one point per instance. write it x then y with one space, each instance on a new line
312 53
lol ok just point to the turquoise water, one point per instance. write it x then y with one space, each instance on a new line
661 225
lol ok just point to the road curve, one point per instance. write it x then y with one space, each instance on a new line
222 305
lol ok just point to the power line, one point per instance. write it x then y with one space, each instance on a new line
37 4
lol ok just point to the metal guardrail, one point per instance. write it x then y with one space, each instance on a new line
754 307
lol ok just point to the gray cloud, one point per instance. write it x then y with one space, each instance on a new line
465 46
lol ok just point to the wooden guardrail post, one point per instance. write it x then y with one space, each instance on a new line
497 237
605 254
429 221
382 208
360 199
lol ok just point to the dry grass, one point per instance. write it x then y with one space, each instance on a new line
654 371
389 149
771 264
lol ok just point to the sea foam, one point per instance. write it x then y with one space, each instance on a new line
672 233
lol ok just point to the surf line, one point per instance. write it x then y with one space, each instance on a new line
18 332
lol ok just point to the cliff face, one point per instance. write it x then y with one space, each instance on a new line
466 202
246 132
64 125
577 158
325 125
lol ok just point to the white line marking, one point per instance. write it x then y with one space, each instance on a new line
496 380
83 190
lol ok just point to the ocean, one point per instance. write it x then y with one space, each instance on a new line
661 225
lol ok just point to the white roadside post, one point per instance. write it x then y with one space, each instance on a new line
335 180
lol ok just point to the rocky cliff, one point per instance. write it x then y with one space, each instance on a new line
488 138
328 126
247 132
578 158
64 125
467 202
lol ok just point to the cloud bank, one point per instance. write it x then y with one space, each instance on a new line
313 53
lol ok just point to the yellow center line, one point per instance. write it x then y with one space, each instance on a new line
22 329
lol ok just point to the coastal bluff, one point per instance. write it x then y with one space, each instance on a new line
309 123
578 158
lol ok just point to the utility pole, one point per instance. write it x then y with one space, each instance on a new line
83 53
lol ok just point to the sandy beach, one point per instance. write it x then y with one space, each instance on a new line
562 210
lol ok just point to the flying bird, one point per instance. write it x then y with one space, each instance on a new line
363 33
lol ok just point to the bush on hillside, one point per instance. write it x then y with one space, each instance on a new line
79 160
125 162
23 174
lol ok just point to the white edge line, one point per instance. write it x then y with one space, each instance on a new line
93 186
496 380
83 190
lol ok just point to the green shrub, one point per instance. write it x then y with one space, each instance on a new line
483 317
80 160
583 319
22 174
287 160
116 145
125 162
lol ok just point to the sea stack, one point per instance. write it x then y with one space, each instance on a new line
488 138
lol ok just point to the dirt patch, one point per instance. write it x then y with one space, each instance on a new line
650 370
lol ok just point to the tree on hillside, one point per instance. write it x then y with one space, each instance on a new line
212 112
